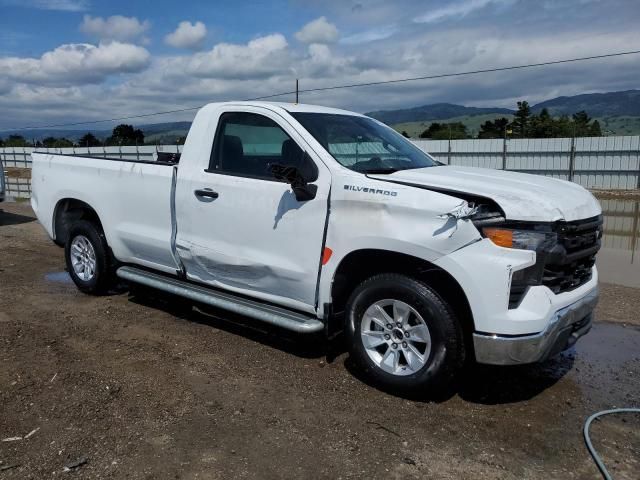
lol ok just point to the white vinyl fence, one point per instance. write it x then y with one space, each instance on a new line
593 162
16 159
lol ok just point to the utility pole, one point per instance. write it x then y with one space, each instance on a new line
449 146
572 154
638 183
504 149
297 96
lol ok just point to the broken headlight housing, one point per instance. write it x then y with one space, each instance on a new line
521 239
538 238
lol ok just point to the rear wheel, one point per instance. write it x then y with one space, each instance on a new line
87 258
403 335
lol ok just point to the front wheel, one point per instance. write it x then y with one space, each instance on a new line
87 258
403 335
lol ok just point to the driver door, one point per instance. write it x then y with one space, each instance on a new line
250 234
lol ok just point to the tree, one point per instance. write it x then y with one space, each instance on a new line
581 127
595 130
493 129
126 135
405 134
16 141
49 142
581 117
89 140
445 131
52 142
520 123
562 126
429 132
542 125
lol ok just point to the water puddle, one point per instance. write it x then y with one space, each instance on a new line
619 259
611 344
608 364
603 367
58 277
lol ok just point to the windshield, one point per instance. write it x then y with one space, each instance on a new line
362 144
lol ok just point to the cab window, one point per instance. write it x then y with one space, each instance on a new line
247 143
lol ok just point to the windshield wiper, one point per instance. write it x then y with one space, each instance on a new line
380 171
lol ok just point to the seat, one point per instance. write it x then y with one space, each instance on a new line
232 154
291 153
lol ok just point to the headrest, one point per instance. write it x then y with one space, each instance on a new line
291 153
232 146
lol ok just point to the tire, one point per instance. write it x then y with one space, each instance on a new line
428 358
87 257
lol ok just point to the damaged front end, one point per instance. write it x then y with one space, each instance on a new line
565 251
482 212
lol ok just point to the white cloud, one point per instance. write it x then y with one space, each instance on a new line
260 57
76 64
187 35
115 27
36 91
5 86
372 35
62 5
318 31
457 10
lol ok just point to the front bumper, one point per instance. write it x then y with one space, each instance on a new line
566 326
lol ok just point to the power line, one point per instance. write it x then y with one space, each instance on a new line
473 72
34 127
337 87
128 117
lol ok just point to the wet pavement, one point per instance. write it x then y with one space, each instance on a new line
58 277
619 258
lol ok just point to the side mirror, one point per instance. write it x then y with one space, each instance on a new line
303 190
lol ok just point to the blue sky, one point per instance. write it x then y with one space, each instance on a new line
227 21
74 60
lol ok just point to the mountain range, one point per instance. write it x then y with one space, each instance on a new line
618 113
172 130
625 103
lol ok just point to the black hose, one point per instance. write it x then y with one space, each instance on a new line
596 458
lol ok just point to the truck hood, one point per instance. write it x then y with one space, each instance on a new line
521 196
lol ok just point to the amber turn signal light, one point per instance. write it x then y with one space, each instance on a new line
499 236
326 255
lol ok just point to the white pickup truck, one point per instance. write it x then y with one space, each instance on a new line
322 220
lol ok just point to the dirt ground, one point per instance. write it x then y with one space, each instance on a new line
130 389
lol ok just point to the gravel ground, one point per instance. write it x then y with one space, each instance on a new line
128 388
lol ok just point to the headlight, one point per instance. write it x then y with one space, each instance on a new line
521 239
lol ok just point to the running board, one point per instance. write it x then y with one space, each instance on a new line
281 317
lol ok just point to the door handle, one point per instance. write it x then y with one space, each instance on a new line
206 192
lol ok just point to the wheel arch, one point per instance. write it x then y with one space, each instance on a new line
361 264
68 210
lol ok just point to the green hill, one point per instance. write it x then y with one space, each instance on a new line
472 122
435 112
617 112
611 104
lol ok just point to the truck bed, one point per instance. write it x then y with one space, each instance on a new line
132 199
